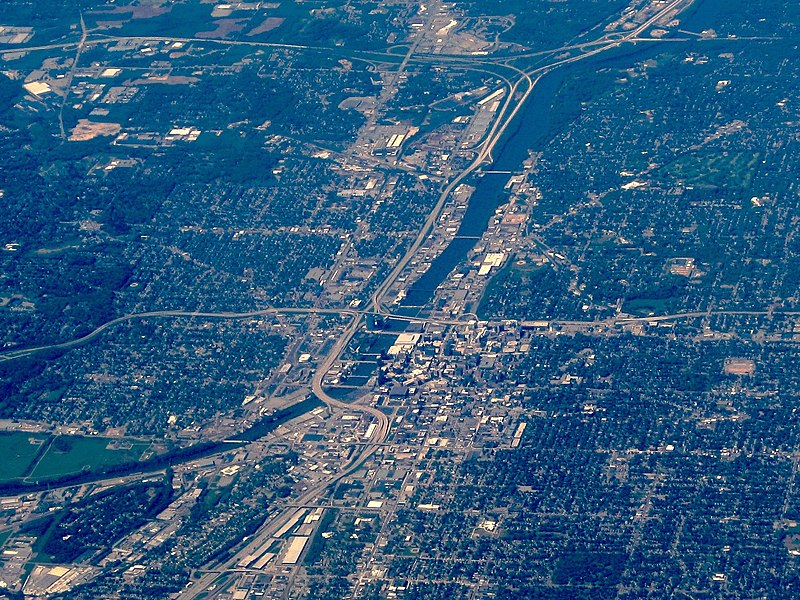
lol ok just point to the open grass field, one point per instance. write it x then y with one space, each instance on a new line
19 450
4 535
72 454
733 171
42 456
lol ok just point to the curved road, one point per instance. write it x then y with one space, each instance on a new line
274 523
23 352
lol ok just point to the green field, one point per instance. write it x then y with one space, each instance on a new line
42 456
19 450
71 454
724 170
646 307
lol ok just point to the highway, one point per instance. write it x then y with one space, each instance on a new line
160 314
360 455
71 76
23 352
619 320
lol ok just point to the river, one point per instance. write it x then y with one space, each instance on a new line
530 132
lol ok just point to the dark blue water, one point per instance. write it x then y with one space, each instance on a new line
530 131
527 133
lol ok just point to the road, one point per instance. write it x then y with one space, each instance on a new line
71 76
308 496
25 352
